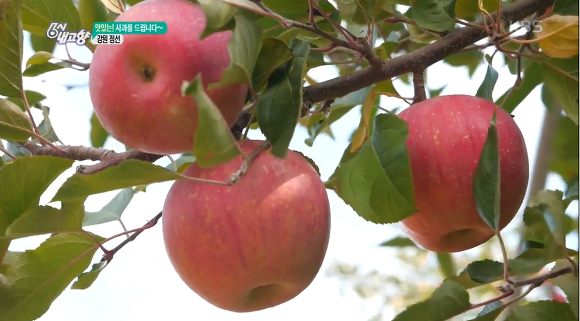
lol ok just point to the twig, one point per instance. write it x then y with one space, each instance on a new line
6 152
109 254
518 70
543 278
106 157
532 282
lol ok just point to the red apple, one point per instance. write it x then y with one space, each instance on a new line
135 87
446 136
252 245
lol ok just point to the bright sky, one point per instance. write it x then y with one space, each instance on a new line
140 283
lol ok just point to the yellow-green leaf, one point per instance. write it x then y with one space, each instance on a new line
558 36
38 58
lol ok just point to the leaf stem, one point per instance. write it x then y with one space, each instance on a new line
29 112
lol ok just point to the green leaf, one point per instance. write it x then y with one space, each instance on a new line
45 126
46 219
566 7
16 150
98 133
129 173
244 48
39 276
387 88
436 15
38 58
318 124
486 182
273 54
564 89
14 123
280 104
214 143
449 300
399 241
309 160
91 11
353 11
36 70
112 211
219 16
469 8
564 150
43 43
572 192
490 312
514 96
470 59
87 279
568 283
351 99
551 205
542 311
530 261
376 182
446 264
32 97
485 90
23 182
10 48
38 14
297 9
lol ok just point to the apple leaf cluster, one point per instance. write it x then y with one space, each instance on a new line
274 44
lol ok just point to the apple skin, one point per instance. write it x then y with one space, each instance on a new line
255 244
446 136
135 87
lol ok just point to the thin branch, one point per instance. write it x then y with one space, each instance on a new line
424 57
545 277
532 282
109 254
106 157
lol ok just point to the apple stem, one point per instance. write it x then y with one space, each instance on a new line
247 161
419 86
247 129
121 6
506 275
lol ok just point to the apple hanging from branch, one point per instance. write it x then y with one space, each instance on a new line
252 245
135 88
446 136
